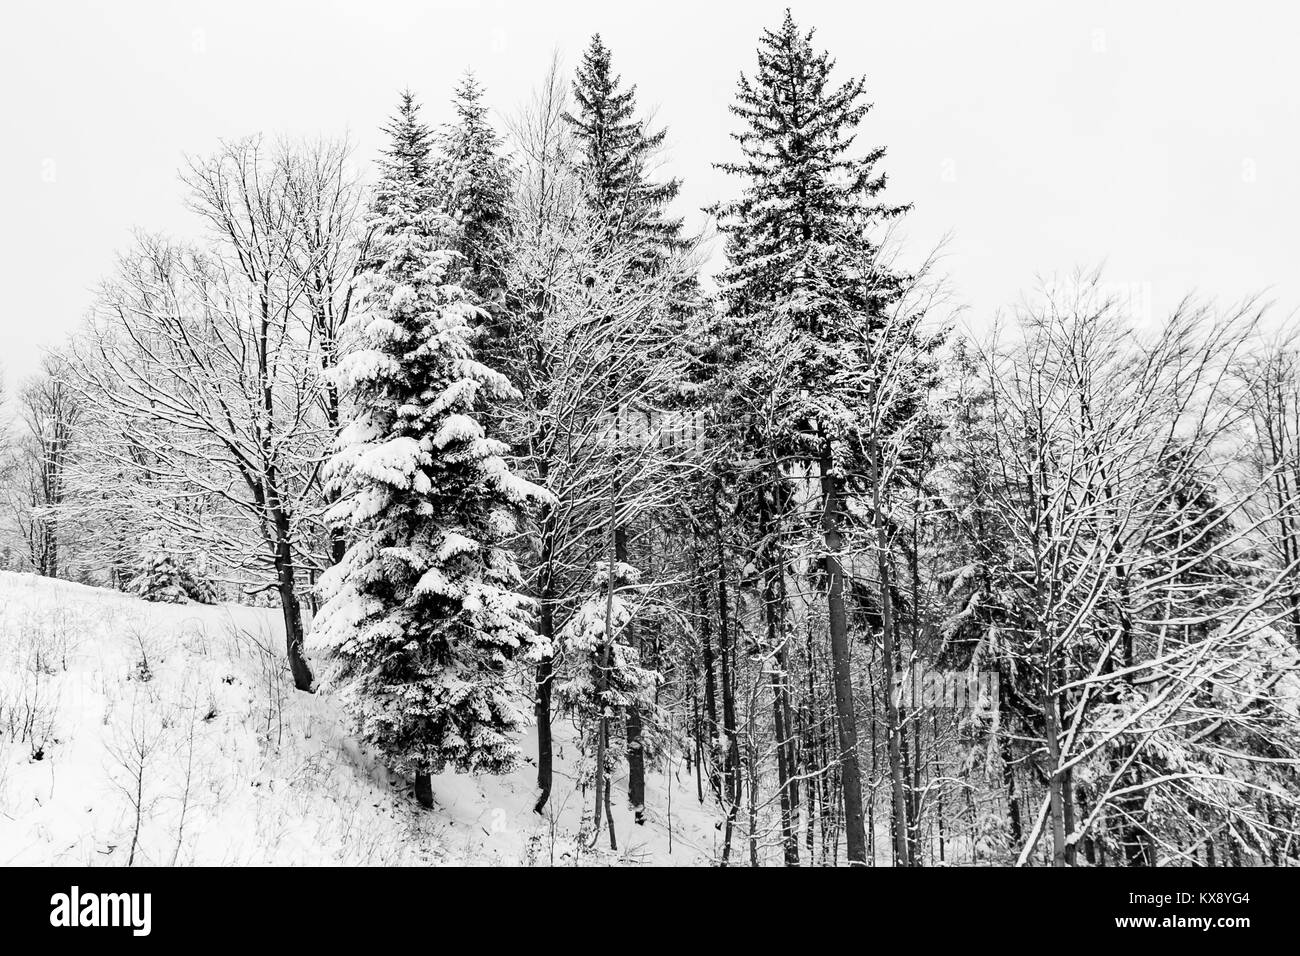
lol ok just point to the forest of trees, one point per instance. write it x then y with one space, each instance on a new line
481 425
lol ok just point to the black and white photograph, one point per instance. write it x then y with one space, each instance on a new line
719 435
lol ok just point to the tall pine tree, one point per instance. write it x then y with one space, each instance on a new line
615 152
472 179
407 162
804 305
423 615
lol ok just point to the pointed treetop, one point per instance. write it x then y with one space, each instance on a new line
472 181
467 99
616 151
406 158
804 182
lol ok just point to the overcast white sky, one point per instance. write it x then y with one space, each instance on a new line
1161 137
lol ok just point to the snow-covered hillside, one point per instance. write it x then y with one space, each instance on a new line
156 734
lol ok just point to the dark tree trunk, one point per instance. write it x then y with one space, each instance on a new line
1013 799
424 790
546 666
850 774
774 613
731 765
635 765
809 750
938 773
545 675
699 748
1089 846
338 545
1067 796
635 753
52 548
289 605
705 619
609 808
602 685
889 668
873 723
1055 778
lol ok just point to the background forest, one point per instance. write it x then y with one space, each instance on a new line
476 420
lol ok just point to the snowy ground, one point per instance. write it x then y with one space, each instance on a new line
159 734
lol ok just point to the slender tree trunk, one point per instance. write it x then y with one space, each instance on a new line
545 685
810 786
1009 781
914 795
546 666
1055 784
938 783
889 669
52 548
635 753
609 806
874 724
914 631
602 733
289 605
752 753
705 619
807 717
699 747
1089 845
774 615
333 416
1067 815
731 764
850 774
602 682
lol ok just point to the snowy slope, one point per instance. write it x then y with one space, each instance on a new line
161 734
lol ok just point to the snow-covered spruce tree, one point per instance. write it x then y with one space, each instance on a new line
615 151
614 154
805 299
585 345
164 579
604 676
472 180
159 579
423 617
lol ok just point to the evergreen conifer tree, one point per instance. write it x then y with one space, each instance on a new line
605 675
406 162
472 179
615 152
165 580
804 328
423 615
